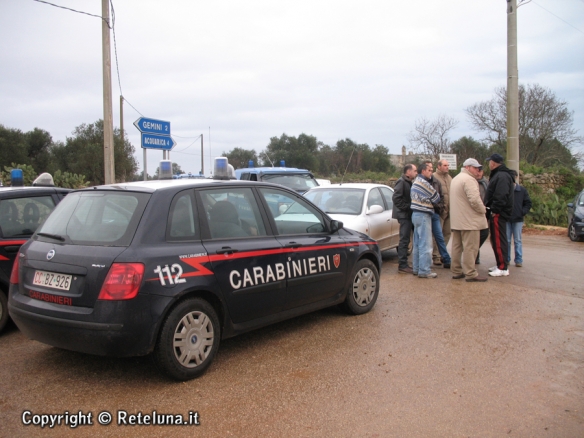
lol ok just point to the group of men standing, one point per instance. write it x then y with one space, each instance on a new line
433 207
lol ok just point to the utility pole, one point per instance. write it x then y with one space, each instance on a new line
108 121
512 89
202 163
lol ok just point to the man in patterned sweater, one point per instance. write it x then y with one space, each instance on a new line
424 196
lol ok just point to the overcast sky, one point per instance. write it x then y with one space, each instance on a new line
246 71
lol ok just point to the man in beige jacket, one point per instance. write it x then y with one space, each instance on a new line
445 180
467 218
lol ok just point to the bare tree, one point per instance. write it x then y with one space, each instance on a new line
431 137
545 124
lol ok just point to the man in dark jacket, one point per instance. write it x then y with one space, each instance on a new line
521 206
439 239
499 203
402 211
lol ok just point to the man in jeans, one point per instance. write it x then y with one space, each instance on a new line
521 206
445 180
439 238
424 197
403 213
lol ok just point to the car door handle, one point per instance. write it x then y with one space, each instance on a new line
293 245
12 248
226 250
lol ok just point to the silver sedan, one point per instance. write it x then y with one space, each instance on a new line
362 207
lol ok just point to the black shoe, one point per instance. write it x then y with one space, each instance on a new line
407 270
446 265
457 277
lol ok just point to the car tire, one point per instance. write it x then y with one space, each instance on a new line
3 310
572 233
188 340
364 288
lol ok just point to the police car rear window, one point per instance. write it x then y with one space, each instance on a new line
95 218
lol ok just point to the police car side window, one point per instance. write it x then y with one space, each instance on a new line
232 212
22 216
181 218
291 214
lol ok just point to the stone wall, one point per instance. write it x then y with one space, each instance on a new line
548 182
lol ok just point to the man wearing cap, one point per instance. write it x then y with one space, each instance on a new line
467 218
499 202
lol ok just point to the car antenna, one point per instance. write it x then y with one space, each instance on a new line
349 162
268 157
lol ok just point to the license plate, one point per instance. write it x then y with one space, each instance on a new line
52 279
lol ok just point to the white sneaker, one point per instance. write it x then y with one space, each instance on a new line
499 273
494 268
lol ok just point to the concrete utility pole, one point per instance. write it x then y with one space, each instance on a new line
202 163
512 88
108 121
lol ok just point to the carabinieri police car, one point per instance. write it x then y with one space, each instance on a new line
172 267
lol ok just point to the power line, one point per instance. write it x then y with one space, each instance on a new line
113 28
550 12
73 10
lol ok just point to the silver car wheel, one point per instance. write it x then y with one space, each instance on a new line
364 286
193 339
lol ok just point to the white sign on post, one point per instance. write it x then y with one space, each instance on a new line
451 158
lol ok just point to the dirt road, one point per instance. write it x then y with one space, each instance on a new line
434 358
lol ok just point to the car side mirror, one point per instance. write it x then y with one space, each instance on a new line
336 225
571 205
375 209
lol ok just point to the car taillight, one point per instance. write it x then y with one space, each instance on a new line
122 281
14 273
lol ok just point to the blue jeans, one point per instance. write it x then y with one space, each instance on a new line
439 237
514 229
422 252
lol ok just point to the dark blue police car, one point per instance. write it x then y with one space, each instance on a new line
173 267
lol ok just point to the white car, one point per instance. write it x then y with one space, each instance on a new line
361 207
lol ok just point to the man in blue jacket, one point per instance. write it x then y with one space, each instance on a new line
521 206
499 203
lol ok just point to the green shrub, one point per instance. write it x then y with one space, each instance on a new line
548 210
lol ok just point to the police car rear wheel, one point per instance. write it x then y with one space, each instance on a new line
364 289
3 310
189 340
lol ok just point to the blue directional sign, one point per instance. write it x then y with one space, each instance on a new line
162 142
152 126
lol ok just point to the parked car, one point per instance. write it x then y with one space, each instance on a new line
22 209
576 218
172 267
299 180
366 208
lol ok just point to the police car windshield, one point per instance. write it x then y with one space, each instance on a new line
298 182
96 218
338 200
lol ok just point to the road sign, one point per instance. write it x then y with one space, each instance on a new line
162 142
451 158
152 126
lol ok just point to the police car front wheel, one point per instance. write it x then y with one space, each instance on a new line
189 339
364 288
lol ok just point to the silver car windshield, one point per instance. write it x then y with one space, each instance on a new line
338 200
